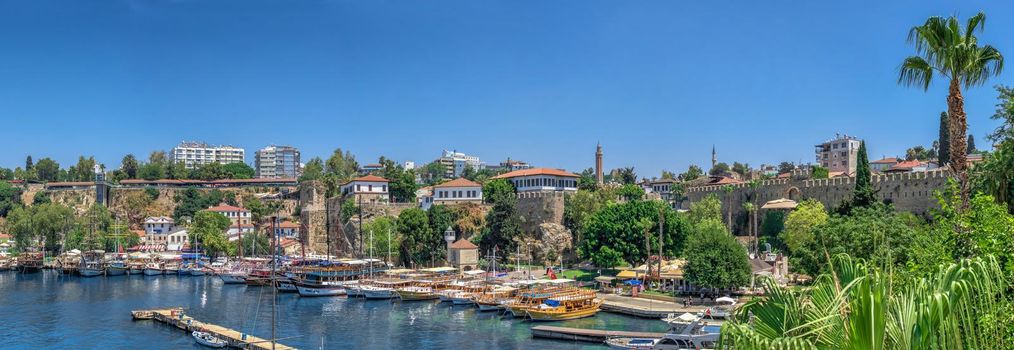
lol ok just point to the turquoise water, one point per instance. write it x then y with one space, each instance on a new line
51 311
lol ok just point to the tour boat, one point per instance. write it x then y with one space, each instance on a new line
92 264
686 332
377 292
354 290
117 268
259 277
236 277
30 262
209 340
320 291
569 307
287 287
493 300
69 261
417 293
171 268
462 298
152 269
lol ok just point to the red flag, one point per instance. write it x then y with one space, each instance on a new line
552 275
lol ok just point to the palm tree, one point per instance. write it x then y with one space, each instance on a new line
944 47
856 307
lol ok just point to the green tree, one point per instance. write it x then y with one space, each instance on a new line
708 208
129 166
577 208
253 244
943 46
625 176
313 170
208 230
418 240
586 180
385 236
151 171
741 168
786 167
502 224
84 170
800 223
238 170
41 197
47 170
944 150
863 194
10 198
714 258
719 169
962 305
211 171
402 185
339 168
440 218
993 174
819 172
433 173
876 234
630 192
618 231
6 174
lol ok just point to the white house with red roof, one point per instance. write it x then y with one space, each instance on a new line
368 189
881 165
154 225
287 229
460 190
541 180
235 214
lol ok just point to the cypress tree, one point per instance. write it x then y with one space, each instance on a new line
863 195
944 147
971 145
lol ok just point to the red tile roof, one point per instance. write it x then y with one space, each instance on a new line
368 178
225 208
906 165
535 171
288 242
459 182
287 224
463 244
891 160
723 180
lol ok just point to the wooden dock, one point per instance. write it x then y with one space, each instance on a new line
176 318
586 335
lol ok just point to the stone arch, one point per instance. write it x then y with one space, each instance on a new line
793 193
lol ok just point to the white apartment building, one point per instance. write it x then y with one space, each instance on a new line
235 214
158 225
460 190
276 162
541 180
196 154
839 155
455 162
368 189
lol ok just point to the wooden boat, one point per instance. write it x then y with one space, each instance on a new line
326 290
30 262
565 307
92 265
117 266
235 277
383 289
209 340
68 262
417 292
5 265
259 277
171 268
493 300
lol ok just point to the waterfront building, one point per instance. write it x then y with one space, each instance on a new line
455 162
541 180
463 255
195 154
839 154
287 229
235 214
177 240
155 225
367 189
273 162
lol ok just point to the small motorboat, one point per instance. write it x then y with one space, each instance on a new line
632 343
206 339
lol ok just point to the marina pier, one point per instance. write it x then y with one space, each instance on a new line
586 335
176 318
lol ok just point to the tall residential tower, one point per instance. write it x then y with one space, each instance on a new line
275 162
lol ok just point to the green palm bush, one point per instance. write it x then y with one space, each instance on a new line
963 305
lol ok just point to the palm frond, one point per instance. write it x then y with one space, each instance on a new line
915 71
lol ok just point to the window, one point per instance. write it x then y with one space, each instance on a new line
359 187
369 188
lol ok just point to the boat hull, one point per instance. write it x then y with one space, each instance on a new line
354 292
152 272
135 271
196 272
415 295
29 269
545 316
378 294
488 307
287 287
233 279
305 291
116 271
90 272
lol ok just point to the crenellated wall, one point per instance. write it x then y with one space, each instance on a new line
537 208
912 192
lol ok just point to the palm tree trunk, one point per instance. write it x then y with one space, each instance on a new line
958 124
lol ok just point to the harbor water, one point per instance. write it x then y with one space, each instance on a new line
52 311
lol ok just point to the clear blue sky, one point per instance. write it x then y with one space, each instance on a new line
657 82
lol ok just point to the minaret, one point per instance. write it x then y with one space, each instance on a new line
714 157
598 164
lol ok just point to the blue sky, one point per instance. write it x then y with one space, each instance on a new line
657 82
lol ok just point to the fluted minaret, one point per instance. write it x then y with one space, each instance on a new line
714 157
598 164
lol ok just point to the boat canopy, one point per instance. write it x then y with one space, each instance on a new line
475 272
726 300
558 281
440 269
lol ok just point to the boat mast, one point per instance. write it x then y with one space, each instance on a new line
274 266
388 247
371 253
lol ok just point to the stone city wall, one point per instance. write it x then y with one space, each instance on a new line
912 192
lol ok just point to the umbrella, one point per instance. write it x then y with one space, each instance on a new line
726 300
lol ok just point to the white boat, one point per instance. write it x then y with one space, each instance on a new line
209 340
461 298
287 287
152 269
374 292
687 331
321 291
632 343
233 277
724 309
354 290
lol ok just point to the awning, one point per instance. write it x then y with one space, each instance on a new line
627 274
605 279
